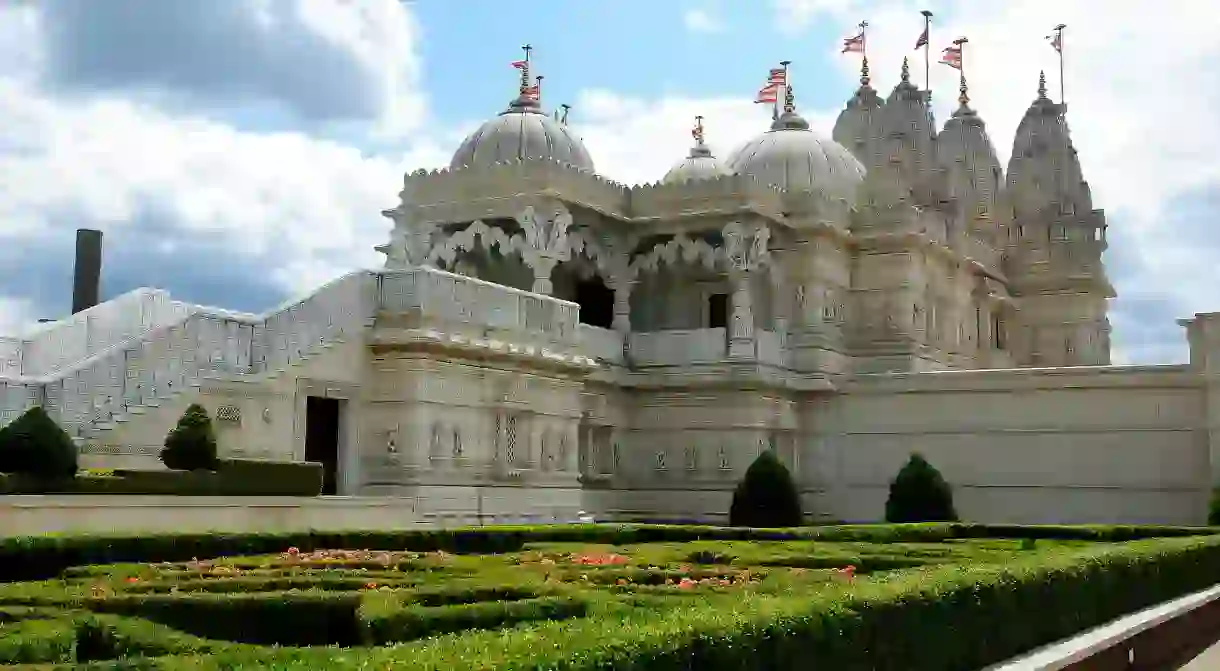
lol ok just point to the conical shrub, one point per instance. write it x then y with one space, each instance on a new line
33 444
191 445
766 496
919 493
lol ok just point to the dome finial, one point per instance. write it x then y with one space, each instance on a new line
906 70
789 99
524 66
527 96
1042 85
700 148
864 78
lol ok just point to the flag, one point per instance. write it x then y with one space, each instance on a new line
778 77
520 65
1056 41
768 94
923 39
854 44
952 57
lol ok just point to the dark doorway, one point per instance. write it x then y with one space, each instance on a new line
596 302
322 438
717 311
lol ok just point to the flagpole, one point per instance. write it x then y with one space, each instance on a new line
927 51
963 97
775 105
525 71
1059 38
864 52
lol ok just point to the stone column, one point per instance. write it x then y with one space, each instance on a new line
741 326
622 305
745 251
542 276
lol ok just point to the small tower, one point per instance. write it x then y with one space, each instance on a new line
1057 239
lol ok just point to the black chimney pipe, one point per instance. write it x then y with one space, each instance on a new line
87 273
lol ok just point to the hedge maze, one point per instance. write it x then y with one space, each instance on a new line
942 596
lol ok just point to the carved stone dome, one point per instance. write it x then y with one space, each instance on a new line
522 132
699 164
794 158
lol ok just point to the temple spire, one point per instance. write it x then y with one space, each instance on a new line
1042 85
906 70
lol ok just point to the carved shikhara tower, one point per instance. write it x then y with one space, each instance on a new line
892 248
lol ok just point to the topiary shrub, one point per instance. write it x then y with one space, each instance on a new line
191 445
766 496
919 493
34 445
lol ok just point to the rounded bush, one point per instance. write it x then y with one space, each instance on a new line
766 496
191 445
34 445
919 493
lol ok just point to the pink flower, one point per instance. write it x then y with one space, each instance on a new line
294 551
686 583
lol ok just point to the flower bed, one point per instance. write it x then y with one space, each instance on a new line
928 597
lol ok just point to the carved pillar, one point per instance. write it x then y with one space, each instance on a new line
543 268
745 251
622 304
546 233
741 327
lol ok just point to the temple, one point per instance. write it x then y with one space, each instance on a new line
543 339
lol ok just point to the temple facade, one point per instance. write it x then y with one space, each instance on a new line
544 340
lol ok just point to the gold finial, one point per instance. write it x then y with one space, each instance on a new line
963 96
906 70
1041 84
864 78
697 133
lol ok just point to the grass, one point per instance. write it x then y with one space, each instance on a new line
354 608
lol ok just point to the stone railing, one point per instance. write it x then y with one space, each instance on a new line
343 305
600 343
465 304
15 398
678 348
165 359
55 345
173 356
772 348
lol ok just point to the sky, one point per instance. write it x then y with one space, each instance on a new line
239 152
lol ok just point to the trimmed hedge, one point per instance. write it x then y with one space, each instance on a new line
233 477
948 618
41 557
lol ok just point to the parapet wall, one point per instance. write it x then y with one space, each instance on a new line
727 194
473 186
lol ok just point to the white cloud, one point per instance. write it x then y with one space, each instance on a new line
702 20
306 207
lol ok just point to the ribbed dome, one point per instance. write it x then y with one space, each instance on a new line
521 132
695 167
699 164
794 158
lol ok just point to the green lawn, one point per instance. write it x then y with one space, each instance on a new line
953 599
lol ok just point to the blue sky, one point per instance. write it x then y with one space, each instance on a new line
239 151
